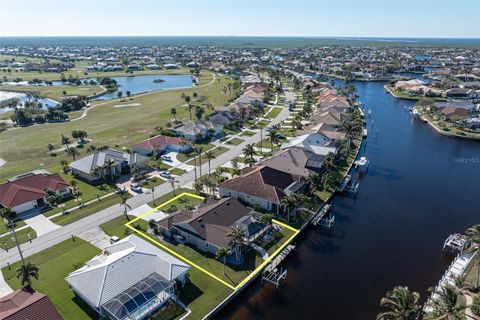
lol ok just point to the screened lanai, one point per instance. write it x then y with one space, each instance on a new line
140 299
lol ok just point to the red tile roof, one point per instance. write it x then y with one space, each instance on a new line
26 304
29 188
157 142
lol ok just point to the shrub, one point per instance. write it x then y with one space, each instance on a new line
476 306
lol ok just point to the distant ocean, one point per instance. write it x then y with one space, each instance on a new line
243 41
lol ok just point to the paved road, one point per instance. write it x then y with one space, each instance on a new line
78 227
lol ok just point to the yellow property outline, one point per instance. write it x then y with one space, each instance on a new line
251 275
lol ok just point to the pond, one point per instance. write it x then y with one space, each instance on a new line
22 97
135 84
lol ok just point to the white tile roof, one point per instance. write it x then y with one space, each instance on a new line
120 266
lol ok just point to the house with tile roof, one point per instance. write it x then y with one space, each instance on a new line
92 167
130 279
262 186
312 142
31 190
26 304
161 144
207 226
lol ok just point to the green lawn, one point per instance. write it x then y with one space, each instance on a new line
177 204
153 182
217 151
262 124
202 294
54 264
22 236
235 141
4 229
273 113
266 144
87 192
25 149
116 227
247 133
86 211
177 171
183 157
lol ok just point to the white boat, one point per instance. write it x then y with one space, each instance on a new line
362 163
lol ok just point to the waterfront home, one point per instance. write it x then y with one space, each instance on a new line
315 143
262 186
161 144
461 93
331 132
130 279
26 303
207 227
109 163
333 119
294 161
193 130
454 113
31 190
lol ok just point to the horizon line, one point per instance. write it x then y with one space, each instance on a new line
237 36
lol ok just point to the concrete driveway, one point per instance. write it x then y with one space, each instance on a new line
176 163
96 236
41 224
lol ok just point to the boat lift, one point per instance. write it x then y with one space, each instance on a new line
272 273
456 243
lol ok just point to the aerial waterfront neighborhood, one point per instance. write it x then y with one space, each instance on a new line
242 177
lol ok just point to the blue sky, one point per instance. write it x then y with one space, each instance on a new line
385 18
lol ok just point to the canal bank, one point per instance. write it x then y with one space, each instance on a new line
419 189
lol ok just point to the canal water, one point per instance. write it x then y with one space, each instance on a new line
420 187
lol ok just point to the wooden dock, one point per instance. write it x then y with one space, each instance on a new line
279 258
320 214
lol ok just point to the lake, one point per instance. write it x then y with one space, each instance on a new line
4 95
420 188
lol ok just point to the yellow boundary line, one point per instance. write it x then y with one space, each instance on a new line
164 247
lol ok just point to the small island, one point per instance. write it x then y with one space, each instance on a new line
158 80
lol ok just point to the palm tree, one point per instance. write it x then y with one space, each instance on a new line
26 272
266 219
446 305
237 236
109 165
199 151
72 152
286 203
223 253
172 183
473 235
65 140
198 186
9 215
173 112
64 165
123 202
50 148
209 156
91 148
297 198
350 130
249 152
273 137
402 304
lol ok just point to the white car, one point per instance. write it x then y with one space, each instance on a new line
167 158
136 187
165 174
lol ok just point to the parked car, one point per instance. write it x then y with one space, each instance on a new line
136 187
165 174
166 158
